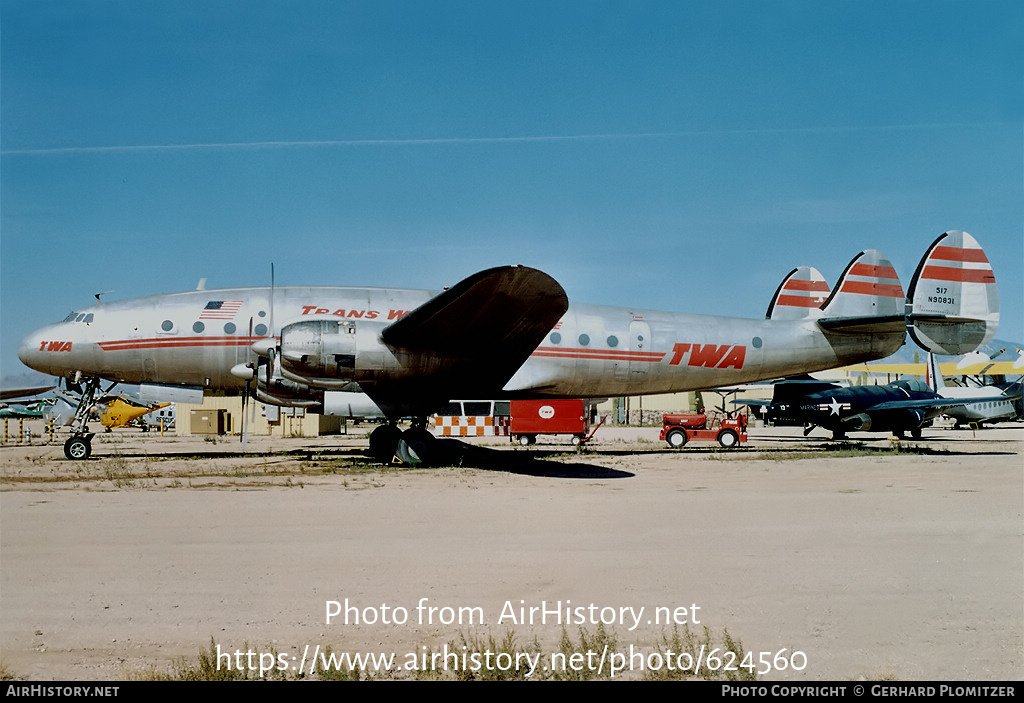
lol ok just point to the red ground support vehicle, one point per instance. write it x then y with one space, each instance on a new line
677 430
534 417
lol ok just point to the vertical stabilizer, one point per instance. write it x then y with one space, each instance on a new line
799 296
867 298
953 303
933 374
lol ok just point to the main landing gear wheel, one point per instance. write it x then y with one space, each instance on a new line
384 442
78 448
417 446
676 439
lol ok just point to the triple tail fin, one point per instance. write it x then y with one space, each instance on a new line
868 299
799 296
953 302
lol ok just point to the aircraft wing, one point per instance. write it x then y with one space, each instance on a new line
950 368
928 403
11 393
987 368
485 326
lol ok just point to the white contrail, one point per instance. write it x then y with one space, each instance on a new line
471 140
318 143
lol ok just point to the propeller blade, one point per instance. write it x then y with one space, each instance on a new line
245 403
245 394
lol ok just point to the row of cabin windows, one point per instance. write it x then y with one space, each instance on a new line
584 339
198 327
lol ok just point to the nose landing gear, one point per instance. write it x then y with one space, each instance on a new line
79 446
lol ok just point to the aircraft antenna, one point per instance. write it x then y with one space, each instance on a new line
271 357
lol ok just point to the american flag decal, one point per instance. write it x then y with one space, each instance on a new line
220 310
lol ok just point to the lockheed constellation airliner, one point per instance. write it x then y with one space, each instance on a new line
506 332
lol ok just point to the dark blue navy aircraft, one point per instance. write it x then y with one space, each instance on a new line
899 407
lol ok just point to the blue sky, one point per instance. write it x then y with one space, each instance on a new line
667 155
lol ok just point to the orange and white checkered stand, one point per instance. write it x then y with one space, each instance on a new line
471 426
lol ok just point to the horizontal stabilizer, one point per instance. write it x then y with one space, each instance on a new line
799 296
752 402
953 303
868 299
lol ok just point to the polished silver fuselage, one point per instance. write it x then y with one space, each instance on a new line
594 351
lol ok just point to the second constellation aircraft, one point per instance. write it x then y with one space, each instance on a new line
506 332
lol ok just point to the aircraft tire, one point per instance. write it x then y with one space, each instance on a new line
417 447
78 449
728 439
384 442
676 439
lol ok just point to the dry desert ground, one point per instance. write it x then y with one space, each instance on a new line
853 562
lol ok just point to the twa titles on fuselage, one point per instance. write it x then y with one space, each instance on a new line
506 332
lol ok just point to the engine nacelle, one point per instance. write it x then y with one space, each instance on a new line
340 403
282 391
310 404
315 366
319 348
910 418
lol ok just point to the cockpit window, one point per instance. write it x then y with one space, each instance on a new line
79 317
